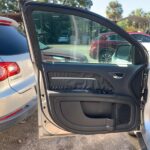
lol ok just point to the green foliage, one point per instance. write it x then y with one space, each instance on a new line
74 3
114 11
142 19
78 3
123 24
147 15
138 12
126 25
13 5
9 6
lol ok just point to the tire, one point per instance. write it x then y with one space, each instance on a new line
105 55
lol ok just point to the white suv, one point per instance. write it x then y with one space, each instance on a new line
17 80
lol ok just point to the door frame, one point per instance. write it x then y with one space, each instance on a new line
27 10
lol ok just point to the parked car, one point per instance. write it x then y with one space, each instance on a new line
107 42
17 79
64 38
141 37
91 98
58 55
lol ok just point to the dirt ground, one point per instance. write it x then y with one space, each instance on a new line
24 136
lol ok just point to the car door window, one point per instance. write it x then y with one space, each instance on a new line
138 37
116 37
141 38
72 39
146 39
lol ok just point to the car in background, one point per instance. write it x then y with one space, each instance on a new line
17 79
140 36
105 44
143 38
54 55
147 46
63 38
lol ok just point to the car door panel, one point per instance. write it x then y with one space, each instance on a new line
90 102
100 79
76 93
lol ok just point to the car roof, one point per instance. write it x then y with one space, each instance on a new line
108 33
142 33
111 33
8 21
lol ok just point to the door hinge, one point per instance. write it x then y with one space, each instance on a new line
145 90
141 141
143 98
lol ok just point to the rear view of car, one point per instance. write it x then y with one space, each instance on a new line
17 80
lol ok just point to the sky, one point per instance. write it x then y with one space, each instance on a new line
99 6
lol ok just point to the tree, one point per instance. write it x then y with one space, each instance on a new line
138 12
114 11
13 5
74 3
123 24
126 25
147 15
140 19
78 3
9 6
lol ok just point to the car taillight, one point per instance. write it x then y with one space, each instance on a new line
5 22
8 69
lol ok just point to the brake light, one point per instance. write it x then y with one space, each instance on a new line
5 22
8 69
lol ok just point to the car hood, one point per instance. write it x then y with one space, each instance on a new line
64 53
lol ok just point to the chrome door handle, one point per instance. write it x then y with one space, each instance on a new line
118 75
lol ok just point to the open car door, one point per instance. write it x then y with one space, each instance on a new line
91 74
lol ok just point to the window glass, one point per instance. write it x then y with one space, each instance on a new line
73 39
137 37
146 39
115 37
141 38
12 41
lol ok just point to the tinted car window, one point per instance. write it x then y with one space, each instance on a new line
116 37
137 37
86 42
142 38
146 39
12 41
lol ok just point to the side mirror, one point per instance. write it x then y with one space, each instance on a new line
123 54
103 38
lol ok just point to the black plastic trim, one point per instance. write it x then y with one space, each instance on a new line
61 120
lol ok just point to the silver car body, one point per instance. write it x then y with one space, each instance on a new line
17 93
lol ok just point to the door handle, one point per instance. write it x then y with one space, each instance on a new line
117 75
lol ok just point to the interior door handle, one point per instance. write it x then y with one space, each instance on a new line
118 75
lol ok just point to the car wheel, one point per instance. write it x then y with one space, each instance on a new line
105 55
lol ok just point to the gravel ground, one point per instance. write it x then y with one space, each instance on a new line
24 136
